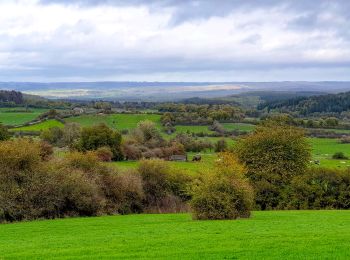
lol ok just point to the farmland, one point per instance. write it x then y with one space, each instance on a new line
322 149
16 116
40 126
268 234
116 121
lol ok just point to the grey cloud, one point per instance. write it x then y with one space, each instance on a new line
58 56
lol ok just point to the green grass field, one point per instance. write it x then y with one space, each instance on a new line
41 126
266 235
208 160
17 115
324 148
116 121
238 126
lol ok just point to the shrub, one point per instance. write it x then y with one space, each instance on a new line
104 154
217 196
124 192
339 155
220 145
19 155
224 193
71 133
321 188
98 136
4 133
46 151
165 189
53 136
87 162
273 155
77 185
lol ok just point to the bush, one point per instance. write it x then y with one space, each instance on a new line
98 136
4 133
165 189
77 185
124 192
53 136
224 193
321 188
46 151
218 197
274 154
220 145
104 154
339 156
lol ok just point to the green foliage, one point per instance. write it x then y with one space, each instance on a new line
66 136
98 136
147 133
52 135
198 114
32 187
220 145
104 154
223 194
192 144
165 189
339 155
321 188
273 155
4 133
322 104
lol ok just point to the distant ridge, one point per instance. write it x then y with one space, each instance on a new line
165 91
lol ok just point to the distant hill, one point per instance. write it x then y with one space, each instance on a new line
252 99
330 103
173 91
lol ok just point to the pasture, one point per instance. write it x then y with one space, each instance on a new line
239 126
116 121
208 161
18 115
324 148
40 126
267 234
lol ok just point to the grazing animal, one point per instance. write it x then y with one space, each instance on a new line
197 158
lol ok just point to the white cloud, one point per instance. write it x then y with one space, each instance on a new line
98 42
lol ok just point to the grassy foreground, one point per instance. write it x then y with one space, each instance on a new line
269 234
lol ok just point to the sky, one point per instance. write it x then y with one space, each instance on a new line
174 40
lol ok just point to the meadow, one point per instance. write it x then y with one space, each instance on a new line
267 234
19 115
116 121
323 150
40 126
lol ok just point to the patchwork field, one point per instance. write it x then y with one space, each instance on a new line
323 149
267 234
18 115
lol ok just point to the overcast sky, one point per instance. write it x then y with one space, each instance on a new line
174 40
